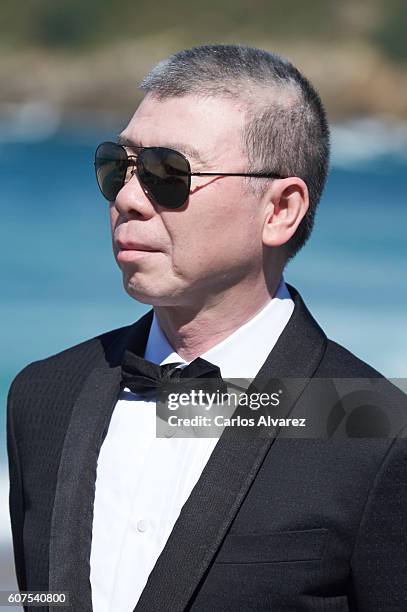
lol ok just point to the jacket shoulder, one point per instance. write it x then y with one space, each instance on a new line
340 362
81 357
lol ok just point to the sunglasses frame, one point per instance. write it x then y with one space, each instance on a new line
132 161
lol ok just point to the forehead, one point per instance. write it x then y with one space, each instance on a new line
203 125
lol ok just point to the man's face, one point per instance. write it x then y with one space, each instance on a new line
214 241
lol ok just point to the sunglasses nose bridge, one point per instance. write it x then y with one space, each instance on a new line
131 172
132 199
131 167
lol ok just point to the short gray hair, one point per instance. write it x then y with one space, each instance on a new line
286 128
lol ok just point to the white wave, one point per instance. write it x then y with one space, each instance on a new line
33 121
361 141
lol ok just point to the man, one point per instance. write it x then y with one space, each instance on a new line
212 188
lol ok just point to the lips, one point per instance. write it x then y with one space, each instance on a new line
133 246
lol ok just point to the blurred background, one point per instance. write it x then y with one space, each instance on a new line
69 72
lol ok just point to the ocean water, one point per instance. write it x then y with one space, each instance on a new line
60 284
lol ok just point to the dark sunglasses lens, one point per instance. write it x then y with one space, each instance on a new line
111 168
165 175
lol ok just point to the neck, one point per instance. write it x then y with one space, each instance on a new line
193 330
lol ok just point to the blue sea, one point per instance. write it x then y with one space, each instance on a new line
60 284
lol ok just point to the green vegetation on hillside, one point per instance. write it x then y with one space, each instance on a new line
76 25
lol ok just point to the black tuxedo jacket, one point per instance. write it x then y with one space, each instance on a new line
273 523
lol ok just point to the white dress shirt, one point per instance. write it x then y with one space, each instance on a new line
143 481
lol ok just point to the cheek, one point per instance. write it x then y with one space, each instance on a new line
233 225
113 215
113 220
224 234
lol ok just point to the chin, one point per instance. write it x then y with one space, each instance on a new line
151 289
140 294
147 294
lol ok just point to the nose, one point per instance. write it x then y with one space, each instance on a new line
132 202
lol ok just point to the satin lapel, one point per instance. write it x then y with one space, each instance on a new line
226 478
71 525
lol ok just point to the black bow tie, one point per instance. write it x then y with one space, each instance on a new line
140 375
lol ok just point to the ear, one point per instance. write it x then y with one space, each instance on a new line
285 205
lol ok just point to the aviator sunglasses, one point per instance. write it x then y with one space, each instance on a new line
164 174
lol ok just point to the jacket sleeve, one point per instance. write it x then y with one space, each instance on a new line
16 497
379 560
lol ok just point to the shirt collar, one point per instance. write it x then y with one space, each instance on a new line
241 354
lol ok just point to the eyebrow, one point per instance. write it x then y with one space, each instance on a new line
187 150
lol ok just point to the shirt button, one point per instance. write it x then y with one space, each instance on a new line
142 525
